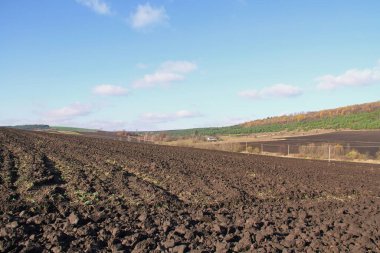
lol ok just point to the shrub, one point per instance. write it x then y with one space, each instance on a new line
354 154
253 150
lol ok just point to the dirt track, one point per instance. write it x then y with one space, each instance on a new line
79 194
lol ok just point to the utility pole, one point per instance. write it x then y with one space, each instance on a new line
329 153
262 148
288 149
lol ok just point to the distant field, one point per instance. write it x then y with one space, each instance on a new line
72 129
344 145
346 137
366 143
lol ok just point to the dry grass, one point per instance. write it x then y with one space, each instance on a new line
321 151
253 150
222 146
340 198
230 147
259 137
68 132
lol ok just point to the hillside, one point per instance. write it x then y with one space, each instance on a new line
41 127
73 129
30 127
314 116
362 116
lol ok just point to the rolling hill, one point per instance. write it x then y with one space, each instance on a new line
356 117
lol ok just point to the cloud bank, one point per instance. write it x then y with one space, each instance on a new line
110 90
275 91
69 112
350 78
167 73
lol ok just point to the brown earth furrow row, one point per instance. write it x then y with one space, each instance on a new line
109 184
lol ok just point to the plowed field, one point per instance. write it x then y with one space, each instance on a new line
365 142
63 193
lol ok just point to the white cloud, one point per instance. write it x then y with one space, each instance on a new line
281 90
166 117
352 77
97 6
69 112
156 78
110 90
186 114
277 90
147 16
178 67
168 72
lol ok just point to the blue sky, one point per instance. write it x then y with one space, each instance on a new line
169 64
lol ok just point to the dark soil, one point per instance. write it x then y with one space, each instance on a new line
368 137
365 142
61 193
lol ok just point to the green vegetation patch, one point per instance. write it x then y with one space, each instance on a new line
72 129
356 121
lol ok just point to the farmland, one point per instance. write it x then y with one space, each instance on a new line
74 193
366 143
